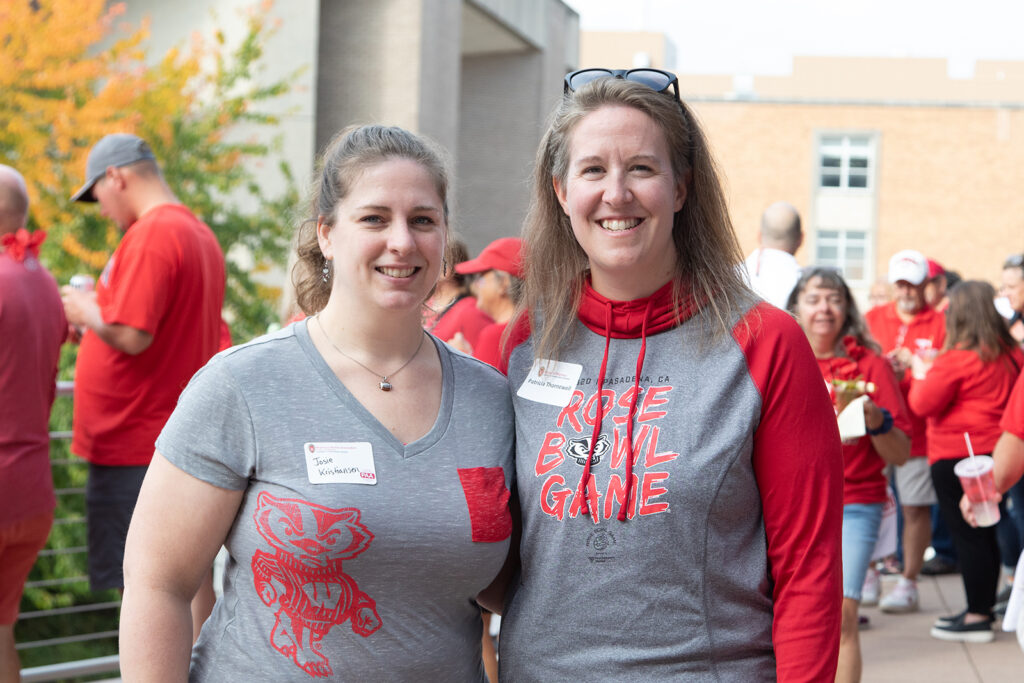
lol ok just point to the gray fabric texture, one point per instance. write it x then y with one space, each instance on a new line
680 591
374 583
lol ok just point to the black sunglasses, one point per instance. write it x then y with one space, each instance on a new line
655 79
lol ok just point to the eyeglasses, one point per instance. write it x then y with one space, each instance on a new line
655 79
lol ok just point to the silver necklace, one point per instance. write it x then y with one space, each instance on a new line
384 384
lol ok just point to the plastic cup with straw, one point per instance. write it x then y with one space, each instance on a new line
977 477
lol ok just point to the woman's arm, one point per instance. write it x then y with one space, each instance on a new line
178 526
938 389
493 597
798 463
892 446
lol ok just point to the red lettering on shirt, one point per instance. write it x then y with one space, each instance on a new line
652 398
552 448
619 445
652 457
553 502
571 412
648 490
590 412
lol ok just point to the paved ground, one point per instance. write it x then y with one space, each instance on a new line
898 647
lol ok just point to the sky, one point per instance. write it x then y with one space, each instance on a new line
761 36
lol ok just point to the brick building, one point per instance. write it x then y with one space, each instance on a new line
878 155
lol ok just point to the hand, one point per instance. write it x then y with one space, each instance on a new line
873 417
80 308
459 342
900 360
967 510
919 366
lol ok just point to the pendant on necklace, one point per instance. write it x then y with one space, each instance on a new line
385 385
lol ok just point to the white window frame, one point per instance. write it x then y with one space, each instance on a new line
844 147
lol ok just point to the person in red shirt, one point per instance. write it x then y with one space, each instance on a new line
825 309
32 329
453 310
1009 450
965 390
908 327
499 272
153 321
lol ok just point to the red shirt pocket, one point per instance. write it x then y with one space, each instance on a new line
487 499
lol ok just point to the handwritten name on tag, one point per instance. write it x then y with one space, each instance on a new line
340 463
550 382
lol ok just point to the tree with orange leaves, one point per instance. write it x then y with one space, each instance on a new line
60 93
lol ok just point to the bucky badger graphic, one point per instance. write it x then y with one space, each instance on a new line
578 449
304 578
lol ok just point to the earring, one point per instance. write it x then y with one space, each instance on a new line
325 272
444 266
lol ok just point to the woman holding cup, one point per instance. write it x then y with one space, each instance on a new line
964 390
850 363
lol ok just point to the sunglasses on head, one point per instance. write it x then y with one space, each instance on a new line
655 79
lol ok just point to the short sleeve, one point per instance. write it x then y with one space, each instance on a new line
210 434
142 278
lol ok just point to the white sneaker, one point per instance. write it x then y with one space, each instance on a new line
903 598
871 589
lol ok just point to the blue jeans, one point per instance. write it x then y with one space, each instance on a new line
860 534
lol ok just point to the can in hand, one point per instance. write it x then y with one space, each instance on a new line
83 283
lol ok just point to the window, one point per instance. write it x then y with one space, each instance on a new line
846 250
845 161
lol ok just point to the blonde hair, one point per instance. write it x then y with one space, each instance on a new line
348 154
707 251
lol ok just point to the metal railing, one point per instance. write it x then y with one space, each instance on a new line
66 550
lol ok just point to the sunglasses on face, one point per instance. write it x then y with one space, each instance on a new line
655 79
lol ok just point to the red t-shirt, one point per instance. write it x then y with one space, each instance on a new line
488 344
961 393
166 278
863 469
1013 416
32 328
927 331
463 317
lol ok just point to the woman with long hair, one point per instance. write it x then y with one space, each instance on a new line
679 470
342 461
452 314
964 390
850 363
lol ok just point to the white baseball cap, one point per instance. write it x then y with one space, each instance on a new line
908 265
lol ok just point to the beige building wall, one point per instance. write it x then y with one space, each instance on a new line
949 148
625 50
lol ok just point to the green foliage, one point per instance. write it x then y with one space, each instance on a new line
60 95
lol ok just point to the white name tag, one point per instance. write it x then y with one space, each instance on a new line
340 463
551 382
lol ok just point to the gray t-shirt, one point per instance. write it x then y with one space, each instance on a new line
371 574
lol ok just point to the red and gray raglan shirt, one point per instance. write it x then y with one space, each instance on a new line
724 564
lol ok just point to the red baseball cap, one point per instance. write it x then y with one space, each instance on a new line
502 254
935 269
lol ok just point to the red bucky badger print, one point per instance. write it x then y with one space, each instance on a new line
304 579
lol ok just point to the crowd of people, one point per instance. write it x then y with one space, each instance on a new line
653 458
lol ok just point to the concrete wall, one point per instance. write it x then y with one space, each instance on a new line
505 101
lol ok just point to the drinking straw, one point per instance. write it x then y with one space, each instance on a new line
970 451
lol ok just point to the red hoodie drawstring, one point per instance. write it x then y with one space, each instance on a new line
585 480
624 508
